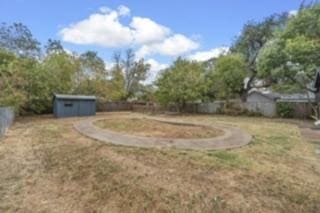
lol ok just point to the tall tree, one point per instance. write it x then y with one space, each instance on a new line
17 38
183 82
54 47
134 72
253 38
227 76
117 79
291 59
12 81
93 67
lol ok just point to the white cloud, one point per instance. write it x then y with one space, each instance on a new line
123 10
172 46
148 31
105 29
206 55
105 9
99 29
155 68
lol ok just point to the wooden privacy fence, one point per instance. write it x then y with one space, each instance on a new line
114 106
234 107
128 106
6 119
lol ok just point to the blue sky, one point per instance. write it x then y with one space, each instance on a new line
159 30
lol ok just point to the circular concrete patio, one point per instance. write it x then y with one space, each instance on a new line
233 138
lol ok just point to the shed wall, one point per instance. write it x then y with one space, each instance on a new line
74 107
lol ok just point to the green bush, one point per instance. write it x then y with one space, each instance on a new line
284 110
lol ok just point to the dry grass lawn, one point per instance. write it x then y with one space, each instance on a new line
46 166
153 128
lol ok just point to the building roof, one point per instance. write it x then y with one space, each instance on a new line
271 96
297 97
74 97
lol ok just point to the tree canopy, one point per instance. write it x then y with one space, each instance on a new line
183 82
280 52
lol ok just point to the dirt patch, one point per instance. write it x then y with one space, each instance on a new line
153 128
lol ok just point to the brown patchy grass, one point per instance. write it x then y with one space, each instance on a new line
46 166
153 128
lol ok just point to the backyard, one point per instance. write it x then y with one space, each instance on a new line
47 166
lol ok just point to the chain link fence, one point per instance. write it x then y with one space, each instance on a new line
6 119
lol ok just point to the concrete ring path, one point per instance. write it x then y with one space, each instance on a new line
233 138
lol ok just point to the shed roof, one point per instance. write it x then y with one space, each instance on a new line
74 97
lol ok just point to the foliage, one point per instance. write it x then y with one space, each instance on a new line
11 80
290 60
280 52
118 80
228 75
181 83
28 80
54 47
284 110
17 38
253 38
134 72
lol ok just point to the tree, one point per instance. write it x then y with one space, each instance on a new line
183 82
127 74
134 72
91 78
117 79
54 47
227 76
12 82
17 38
55 74
253 38
92 66
290 60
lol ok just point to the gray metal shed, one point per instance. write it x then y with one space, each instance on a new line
73 105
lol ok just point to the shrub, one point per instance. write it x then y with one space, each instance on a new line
284 110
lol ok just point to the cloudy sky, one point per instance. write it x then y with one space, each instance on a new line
159 31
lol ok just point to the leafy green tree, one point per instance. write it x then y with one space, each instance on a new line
91 78
127 75
12 82
227 76
54 47
92 66
253 38
134 72
290 61
117 79
183 82
17 38
54 75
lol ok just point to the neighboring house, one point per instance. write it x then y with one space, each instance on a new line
262 103
266 103
297 98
